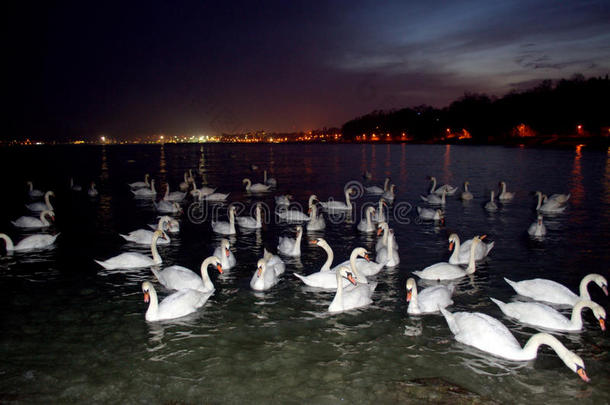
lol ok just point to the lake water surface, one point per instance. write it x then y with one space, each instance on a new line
72 332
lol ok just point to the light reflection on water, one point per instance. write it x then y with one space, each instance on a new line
282 345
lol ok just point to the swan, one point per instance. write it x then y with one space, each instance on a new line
179 278
145 237
461 251
449 189
366 224
291 247
383 242
255 188
491 205
263 278
130 260
292 215
249 222
447 271
360 268
430 214
388 254
92 192
560 198
33 193
376 190
226 228
333 205
176 196
389 195
38 206
316 221
505 195
283 199
466 194
37 241
32 222
184 185
167 207
379 215
345 299
140 184
541 289
549 206
537 314
176 305
204 191
75 187
490 335
434 199
537 228
270 181
213 197
144 192
223 251
167 224
429 299
274 262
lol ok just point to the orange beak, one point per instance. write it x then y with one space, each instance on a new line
146 296
582 374
482 237
259 271
379 230
602 323
451 246
227 252
605 288
409 296
366 257
314 242
351 278
219 268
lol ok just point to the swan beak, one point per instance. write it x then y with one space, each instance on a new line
313 242
482 237
146 297
379 230
409 296
366 257
350 277
605 288
602 323
227 252
219 268
450 246
259 271
582 374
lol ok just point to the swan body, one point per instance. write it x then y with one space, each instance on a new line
179 278
269 181
316 221
202 192
176 305
491 205
75 187
289 246
32 242
216 197
389 194
430 214
140 184
145 192
429 299
145 237
92 192
32 192
490 335
434 198
541 289
537 228
537 314
38 206
333 205
293 215
176 196
167 207
224 253
255 188
447 188
549 206
383 228
34 223
466 194
350 298
376 190
264 277
366 225
447 271
505 195
226 228
250 222
461 251
388 254
283 199
130 260
559 198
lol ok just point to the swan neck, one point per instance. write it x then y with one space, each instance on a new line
539 200
456 250
330 256
43 218
584 283
258 215
153 248
576 318
47 201
205 276
386 231
339 295
152 186
297 242
531 347
433 185
231 221
386 183
8 240
348 202
166 192
153 305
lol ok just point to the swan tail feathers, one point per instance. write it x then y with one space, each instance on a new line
126 237
490 246
104 265
497 302
450 321
511 283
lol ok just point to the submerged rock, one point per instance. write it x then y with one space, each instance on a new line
435 390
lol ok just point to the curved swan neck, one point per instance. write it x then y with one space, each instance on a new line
205 276
466 186
43 217
153 248
369 221
330 256
539 194
386 231
297 242
530 350
584 283
47 200
348 202
152 186
8 240
576 318
456 248
433 180
146 177
386 183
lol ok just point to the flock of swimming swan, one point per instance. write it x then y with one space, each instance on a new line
349 279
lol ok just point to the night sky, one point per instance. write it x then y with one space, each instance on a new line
136 68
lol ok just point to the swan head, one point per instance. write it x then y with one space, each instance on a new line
299 229
225 245
453 238
146 288
160 234
540 217
362 252
381 227
600 314
410 286
260 267
216 261
246 181
601 282
48 213
346 273
575 363
319 242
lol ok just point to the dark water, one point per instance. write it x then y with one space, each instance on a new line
72 332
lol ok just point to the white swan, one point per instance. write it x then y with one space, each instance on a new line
549 206
140 184
283 199
167 207
461 251
75 187
263 278
388 254
466 194
224 253
491 336
289 246
447 271
389 194
505 195
38 206
537 228
345 299
167 224
333 205
360 265
316 221
179 278
449 189
92 192
430 214
383 228
32 242
491 205
185 185
33 193
542 289
379 215
176 196
274 262
131 260
250 222
144 192
34 223
270 181
434 199
291 215
366 224
226 228
255 188
145 237
202 192
429 299
560 198
176 305
537 314
376 190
